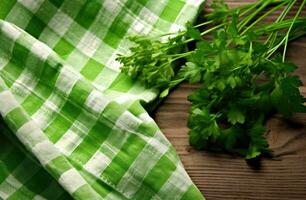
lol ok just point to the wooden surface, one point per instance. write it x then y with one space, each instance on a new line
226 177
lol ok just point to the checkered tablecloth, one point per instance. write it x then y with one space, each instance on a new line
72 125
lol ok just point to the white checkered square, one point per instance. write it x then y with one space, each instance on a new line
45 152
97 163
49 37
138 27
89 44
128 120
104 53
31 5
68 142
148 16
38 197
30 135
77 60
43 117
9 186
11 31
96 101
194 3
3 61
145 117
144 22
66 80
25 79
112 6
7 102
60 23
72 180
112 62
124 98
41 50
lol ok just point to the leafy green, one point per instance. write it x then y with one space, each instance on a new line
287 95
192 72
151 61
193 32
235 116
243 80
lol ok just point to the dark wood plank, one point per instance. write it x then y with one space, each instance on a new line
223 176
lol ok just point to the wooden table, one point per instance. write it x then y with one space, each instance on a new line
222 176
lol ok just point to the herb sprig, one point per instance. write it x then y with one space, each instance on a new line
244 79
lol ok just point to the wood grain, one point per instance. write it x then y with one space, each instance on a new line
227 177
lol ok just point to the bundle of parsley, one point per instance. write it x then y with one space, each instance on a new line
244 75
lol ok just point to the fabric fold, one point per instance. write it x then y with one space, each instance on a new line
64 99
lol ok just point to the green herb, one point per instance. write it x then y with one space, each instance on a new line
243 79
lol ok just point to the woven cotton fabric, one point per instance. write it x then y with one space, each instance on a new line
72 125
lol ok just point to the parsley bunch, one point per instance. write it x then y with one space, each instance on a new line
244 79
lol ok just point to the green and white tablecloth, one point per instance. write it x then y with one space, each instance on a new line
72 125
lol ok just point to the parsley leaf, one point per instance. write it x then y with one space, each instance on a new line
235 116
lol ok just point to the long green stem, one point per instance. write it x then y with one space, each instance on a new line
204 23
244 22
272 37
176 34
181 54
290 28
268 28
253 6
263 17
205 32
286 38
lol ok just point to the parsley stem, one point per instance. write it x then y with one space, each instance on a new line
204 33
182 32
267 28
281 17
181 55
286 38
264 16
290 28
244 22
252 6
203 24
212 29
